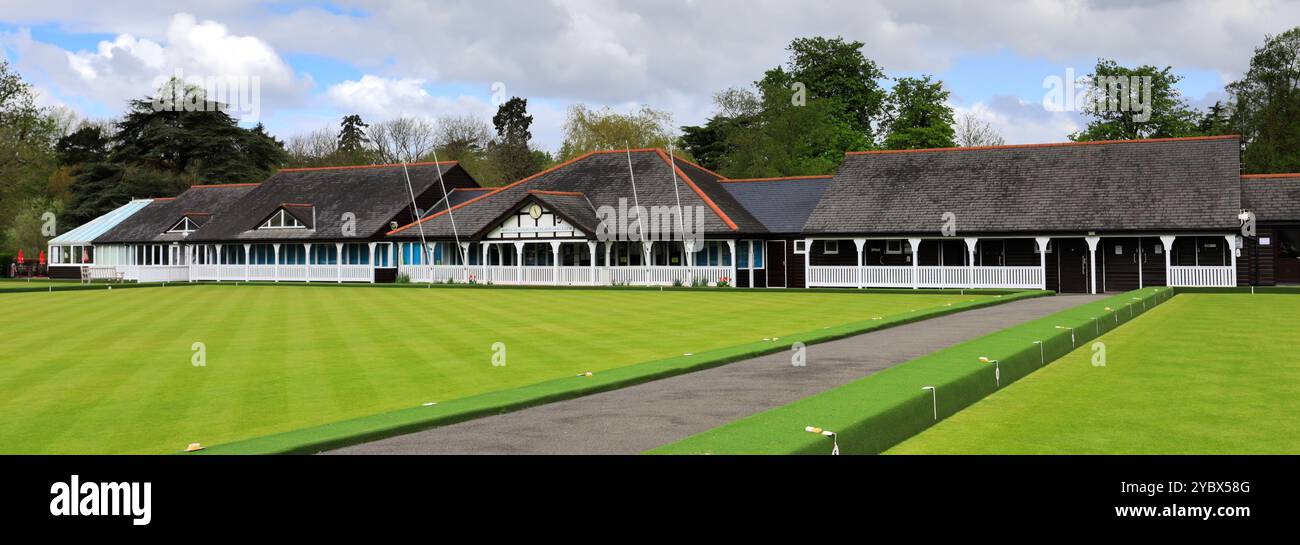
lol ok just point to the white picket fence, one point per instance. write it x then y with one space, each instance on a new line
1203 277
246 273
567 276
925 277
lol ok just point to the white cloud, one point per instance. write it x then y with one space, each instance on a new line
130 67
671 54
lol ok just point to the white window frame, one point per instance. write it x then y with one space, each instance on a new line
826 247
184 221
897 251
286 221
800 247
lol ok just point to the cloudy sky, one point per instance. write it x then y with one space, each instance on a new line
316 61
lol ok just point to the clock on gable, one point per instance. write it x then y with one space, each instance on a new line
534 211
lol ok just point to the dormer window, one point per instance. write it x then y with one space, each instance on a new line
282 220
184 227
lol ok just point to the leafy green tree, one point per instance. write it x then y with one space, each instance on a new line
834 69
769 134
27 229
587 130
1154 110
918 115
198 138
511 154
27 137
352 134
1216 121
87 144
1266 106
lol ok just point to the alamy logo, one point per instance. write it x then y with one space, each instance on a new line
102 499
653 224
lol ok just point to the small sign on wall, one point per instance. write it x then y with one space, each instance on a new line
1265 241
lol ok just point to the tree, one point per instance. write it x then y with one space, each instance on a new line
87 144
195 138
27 138
587 130
918 115
1216 121
27 230
1266 106
459 137
973 131
512 153
512 121
831 68
318 148
765 133
352 137
1133 103
402 139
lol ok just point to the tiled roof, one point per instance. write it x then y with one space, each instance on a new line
1144 185
371 196
782 204
1272 197
603 178
151 223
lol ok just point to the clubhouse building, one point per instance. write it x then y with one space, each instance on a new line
1072 217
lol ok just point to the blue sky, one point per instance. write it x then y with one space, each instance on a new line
319 61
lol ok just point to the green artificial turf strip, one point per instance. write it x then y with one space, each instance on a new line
1201 374
110 371
874 413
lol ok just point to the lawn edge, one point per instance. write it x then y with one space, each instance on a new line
402 421
890 406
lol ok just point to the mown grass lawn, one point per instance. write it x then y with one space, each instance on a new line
1202 373
111 371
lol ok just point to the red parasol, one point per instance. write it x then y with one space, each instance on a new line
41 258
20 256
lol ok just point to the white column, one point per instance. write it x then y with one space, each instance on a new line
248 260
608 245
275 260
555 262
1092 261
1232 252
731 249
372 262
519 263
857 273
464 260
1042 258
217 261
915 243
591 251
307 261
1168 242
970 258
807 262
338 261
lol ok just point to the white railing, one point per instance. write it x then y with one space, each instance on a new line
163 273
246 273
925 277
1203 277
567 276
204 272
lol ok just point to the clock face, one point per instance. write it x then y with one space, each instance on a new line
534 211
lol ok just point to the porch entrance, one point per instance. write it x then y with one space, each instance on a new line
1072 264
